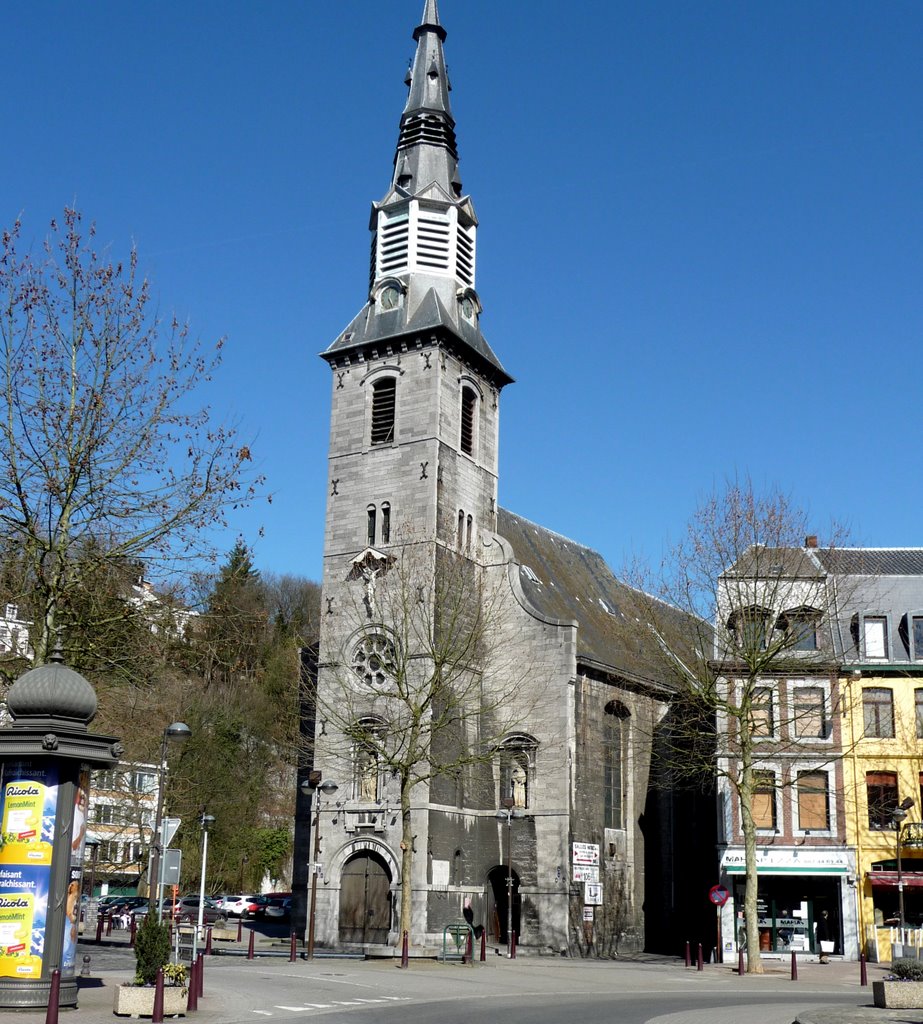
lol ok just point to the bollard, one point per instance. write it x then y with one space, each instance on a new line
292 955
208 941
688 954
192 999
468 957
698 960
200 974
512 945
405 951
483 947
794 966
240 928
863 971
85 970
740 961
133 932
99 928
157 1015
51 1014
108 925
250 946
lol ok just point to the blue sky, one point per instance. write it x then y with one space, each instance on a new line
700 248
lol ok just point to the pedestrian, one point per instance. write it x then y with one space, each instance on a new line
824 934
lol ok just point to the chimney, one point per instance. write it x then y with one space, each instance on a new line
811 540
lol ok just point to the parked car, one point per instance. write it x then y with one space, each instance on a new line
233 906
278 908
127 905
186 910
255 905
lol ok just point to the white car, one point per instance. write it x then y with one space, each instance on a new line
233 906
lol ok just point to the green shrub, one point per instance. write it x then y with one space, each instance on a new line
174 974
906 969
152 949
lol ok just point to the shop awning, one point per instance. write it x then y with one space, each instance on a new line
888 879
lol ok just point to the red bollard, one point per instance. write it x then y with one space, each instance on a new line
405 951
468 956
740 961
688 954
512 945
51 1014
200 974
99 928
133 932
698 962
240 929
483 947
157 1015
192 999
250 947
208 942
108 925
863 971
292 955
794 966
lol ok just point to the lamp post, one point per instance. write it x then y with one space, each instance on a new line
898 814
176 732
506 813
206 821
312 785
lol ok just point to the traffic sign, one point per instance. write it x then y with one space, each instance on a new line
168 828
718 895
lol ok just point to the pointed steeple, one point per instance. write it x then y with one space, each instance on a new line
426 149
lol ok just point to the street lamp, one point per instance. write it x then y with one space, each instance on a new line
313 786
206 821
506 813
177 732
898 814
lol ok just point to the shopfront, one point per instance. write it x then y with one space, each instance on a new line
796 886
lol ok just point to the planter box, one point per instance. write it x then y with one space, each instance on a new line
898 995
138 1001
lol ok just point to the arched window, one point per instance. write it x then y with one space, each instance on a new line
370 528
800 628
385 522
375 660
615 755
750 627
469 523
461 529
384 395
469 405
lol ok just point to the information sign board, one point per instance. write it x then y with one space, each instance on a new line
585 853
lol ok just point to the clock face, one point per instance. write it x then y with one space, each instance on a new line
389 298
467 306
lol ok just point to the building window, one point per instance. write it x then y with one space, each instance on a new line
371 517
517 756
810 714
881 791
800 627
374 660
750 626
461 529
875 636
763 802
469 405
615 752
762 721
469 524
384 393
385 523
103 814
917 634
813 801
878 712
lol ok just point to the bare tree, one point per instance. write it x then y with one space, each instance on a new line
758 606
419 683
106 453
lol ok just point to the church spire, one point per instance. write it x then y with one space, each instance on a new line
426 148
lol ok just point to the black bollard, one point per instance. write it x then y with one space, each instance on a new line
200 974
740 961
483 947
512 946
405 951
240 928
292 945
863 971
794 966
51 1014
157 1015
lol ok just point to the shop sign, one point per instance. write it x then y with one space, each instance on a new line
586 853
586 873
802 861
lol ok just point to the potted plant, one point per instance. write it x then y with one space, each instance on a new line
903 988
152 953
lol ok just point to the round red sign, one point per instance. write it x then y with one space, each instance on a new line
718 895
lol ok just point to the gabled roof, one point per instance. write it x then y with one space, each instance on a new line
565 580
872 561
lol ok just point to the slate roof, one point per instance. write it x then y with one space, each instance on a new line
872 561
565 580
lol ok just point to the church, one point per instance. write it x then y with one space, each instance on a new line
528 806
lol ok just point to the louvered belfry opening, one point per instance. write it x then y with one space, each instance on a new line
427 130
469 404
384 393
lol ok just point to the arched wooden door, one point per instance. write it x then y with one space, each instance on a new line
365 900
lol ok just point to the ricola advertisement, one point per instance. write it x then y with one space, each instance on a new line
30 794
